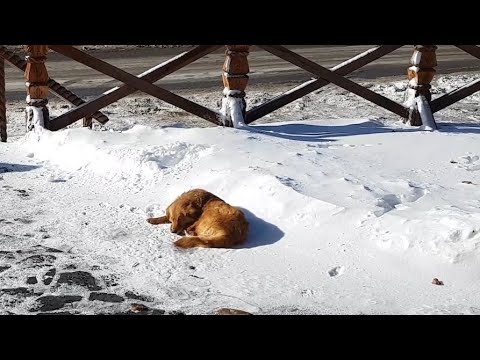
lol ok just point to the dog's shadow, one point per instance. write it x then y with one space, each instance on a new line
261 232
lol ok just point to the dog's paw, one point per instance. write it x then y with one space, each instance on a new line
158 220
191 231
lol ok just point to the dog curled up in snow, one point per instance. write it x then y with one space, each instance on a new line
207 220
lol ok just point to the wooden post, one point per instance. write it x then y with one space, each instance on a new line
87 121
36 77
235 79
3 108
420 74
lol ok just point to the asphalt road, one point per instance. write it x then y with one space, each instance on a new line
205 74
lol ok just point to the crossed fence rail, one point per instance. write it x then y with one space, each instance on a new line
418 109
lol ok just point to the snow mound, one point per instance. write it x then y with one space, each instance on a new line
136 156
447 232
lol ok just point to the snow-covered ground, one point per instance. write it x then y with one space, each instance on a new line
351 212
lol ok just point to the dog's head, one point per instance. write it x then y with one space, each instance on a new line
182 216
187 208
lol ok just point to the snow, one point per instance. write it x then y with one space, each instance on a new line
351 215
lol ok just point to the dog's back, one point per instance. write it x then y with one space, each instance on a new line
196 197
220 225
220 217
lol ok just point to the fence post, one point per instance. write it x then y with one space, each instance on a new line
420 74
3 108
87 121
235 80
36 77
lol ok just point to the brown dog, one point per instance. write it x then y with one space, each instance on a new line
207 220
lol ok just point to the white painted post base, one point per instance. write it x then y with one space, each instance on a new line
233 109
419 110
37 116
411 104
428 122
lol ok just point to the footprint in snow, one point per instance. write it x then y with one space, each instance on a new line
336 271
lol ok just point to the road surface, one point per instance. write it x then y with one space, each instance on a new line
205 73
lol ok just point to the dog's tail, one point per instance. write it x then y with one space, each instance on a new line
218 241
